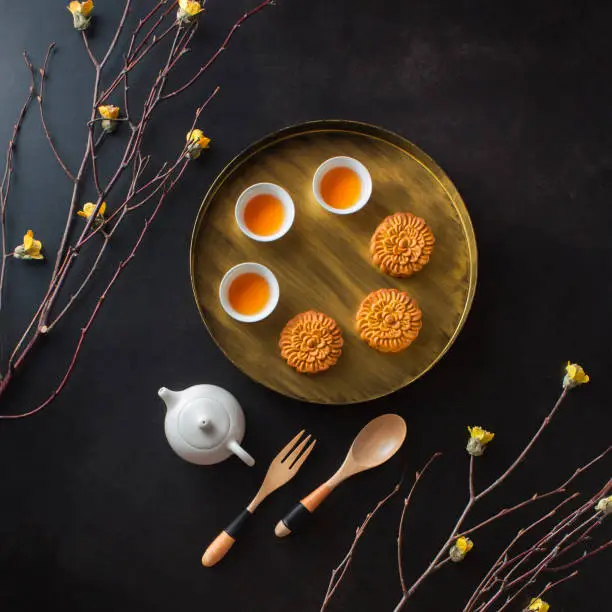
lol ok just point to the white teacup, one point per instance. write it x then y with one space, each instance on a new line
358 168
265 189
265 275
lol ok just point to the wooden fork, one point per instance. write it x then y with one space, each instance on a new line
282 469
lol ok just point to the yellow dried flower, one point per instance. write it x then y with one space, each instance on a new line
460 548
84 8
88 210
574 376
191 6
30 249
188 10
479 438
604 505
464 545
81 13
108 111
482 435
196 141
538 605
197 137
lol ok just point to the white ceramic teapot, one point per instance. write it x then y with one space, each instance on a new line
204 424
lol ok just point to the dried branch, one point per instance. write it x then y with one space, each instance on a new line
505 572
217 53
527 448
529 577
130 63
94 313
515 569
82 286
474 498
551 585
562 524
157 25
338 573
43 78
537 496
585 555
92 57
130 150
5 187
504 561
400 530
444 549
84 331
120 27
64 258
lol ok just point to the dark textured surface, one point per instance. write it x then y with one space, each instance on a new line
513 100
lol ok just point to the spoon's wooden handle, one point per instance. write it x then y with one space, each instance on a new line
298 515
220 546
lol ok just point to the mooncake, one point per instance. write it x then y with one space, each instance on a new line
401 244
311 342
389 320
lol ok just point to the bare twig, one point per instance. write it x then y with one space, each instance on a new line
114 278
400 530
130 63
444 549
551 585
92 57
157 25
474 497
537 496
82 286
338 573
113 44
43 78
515 569
93 315
220 50
14 355
506 564
506 575
585 555
527 448
5 187
62 250
556 530
530 576
504 561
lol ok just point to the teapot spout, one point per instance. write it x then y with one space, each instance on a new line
171 398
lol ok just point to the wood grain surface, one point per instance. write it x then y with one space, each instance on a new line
323 263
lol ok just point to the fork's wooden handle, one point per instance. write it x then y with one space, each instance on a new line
296 517
220 546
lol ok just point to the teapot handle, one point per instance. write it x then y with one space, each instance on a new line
240 452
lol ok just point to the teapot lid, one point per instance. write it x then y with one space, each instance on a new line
204 423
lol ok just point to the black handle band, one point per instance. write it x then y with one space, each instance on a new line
236 525
297 517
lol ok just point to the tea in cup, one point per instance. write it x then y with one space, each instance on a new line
342 185
249 292
265 212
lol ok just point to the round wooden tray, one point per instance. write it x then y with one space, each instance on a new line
323 262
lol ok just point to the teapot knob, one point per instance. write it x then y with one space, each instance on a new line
205 424
240 452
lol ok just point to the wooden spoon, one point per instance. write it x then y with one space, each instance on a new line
377 442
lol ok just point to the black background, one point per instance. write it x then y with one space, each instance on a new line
513 100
